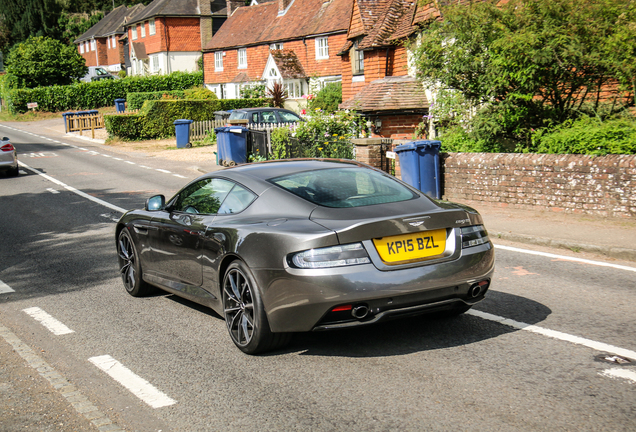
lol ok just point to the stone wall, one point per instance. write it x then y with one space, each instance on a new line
601 186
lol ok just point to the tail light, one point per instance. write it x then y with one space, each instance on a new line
7 147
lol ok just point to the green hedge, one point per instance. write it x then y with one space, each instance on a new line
97 94
156 117
135 100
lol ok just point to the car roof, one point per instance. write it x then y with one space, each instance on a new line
269 169
263 108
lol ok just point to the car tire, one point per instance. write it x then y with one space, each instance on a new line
130 267
13 172
244 312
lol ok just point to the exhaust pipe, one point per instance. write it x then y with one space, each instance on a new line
360 311
477 289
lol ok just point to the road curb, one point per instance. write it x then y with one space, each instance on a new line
612 252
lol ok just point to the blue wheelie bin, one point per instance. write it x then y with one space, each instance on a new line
182 131
120 105
231 145
419 162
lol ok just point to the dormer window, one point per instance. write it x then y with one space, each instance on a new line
273 73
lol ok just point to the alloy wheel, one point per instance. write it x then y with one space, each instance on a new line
239 307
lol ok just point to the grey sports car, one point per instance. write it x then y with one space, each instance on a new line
299 245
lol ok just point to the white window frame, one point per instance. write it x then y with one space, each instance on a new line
143 29
81 46
218 61
151 27
294 88
242 58
113 42
108 42
134 32
155 63
93 45
322 48
276 46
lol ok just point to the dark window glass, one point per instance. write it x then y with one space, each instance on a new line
204 196
288 117
345 187
237 200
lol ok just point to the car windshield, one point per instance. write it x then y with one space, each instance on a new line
345 187
238 115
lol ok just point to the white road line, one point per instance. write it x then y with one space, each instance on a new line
74 397
179 175
55 326
163 171
72 189
137 385
105 155
598 346
129 162
53 191
550 255
620 373
4 288
143 166
119 159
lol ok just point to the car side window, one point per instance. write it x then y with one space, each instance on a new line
288 117
267 117
237 200
255 118
203 197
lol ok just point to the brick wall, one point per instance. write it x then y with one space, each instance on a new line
257 58
399 126
603 186
600 186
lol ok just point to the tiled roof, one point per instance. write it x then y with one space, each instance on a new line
401 93
174 8
288 64
108 25
386 21
240 78
260 24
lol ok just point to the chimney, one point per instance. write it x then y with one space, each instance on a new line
233 5
282 5
205 22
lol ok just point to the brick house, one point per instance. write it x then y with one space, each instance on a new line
104 44
377 79
167 35
294 42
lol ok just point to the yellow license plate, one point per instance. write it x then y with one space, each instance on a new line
411 247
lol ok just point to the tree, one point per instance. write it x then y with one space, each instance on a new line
42 61
531 63
74 25
25 18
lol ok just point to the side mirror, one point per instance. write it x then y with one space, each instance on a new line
5 138
154 203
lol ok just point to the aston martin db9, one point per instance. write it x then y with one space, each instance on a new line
305 245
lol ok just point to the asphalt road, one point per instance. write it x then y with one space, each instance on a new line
63 308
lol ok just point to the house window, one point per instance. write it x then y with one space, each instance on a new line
357 60
218 61
272 73
155 63
93 45
294 89
143 29
322 48
242 58
276 46
81 48
151 27
114 42
108 42
134 32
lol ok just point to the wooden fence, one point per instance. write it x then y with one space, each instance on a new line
199 129
86 122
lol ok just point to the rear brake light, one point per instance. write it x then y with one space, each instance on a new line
342 308
7 147
474 236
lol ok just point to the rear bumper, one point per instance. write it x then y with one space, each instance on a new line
300 300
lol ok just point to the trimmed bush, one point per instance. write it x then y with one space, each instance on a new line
156 117
136 99
97 94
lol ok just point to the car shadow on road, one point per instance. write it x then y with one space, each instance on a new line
420 333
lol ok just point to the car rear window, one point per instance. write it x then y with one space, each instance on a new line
345 187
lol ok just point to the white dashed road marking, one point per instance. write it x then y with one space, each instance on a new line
551 255
598 346
53 191
163 171
620 373
4 288
55 326
134 383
